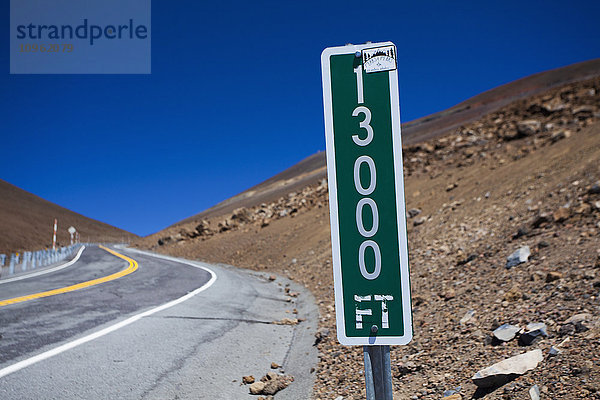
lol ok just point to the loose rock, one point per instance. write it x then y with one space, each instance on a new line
506 332
533 332
518 257
514 294
257 387
553 276
286 321
554 351
508 369
528 127
320 335
274 383
577 318
561 214
558 135
534 392
413 212
454 396
467 317
419 221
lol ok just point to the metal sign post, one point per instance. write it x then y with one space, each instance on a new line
367 209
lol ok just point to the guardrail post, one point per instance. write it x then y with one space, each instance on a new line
11 267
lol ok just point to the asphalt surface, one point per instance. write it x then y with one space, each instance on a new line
197 349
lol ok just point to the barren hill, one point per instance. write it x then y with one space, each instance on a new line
27 222
526 175
312 169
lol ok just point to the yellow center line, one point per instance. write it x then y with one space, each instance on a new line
133 265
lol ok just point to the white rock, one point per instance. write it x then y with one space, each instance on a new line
506 332
534 392
574 319
506 370
467 317
518 257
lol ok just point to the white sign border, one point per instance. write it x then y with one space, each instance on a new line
333 205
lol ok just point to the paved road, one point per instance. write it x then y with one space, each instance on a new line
196 349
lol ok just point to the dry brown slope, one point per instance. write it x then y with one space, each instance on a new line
311 169
306 172
27 220
482 192
437 124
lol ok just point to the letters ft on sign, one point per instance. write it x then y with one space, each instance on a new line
366 190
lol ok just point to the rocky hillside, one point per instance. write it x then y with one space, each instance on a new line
312 169
27 223
504 228
442 122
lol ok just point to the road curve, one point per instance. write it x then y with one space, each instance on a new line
196 349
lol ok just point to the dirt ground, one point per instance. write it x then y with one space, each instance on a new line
27 223
477 195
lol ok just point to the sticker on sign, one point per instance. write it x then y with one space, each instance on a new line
366 195
379 59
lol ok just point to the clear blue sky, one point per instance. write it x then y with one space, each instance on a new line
235 95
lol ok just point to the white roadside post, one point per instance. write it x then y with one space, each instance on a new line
367 209
71 231
54 235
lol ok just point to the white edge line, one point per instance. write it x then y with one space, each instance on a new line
70 345
46 271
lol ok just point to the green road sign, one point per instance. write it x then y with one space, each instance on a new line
366 194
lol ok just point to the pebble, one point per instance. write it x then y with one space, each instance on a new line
413 212
467 317
286 321
447 395
454 396
553 276
560 134
577 318
561 214
534 392
554 351
506 332
518 257
533 332
514 294
257 387
419 221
